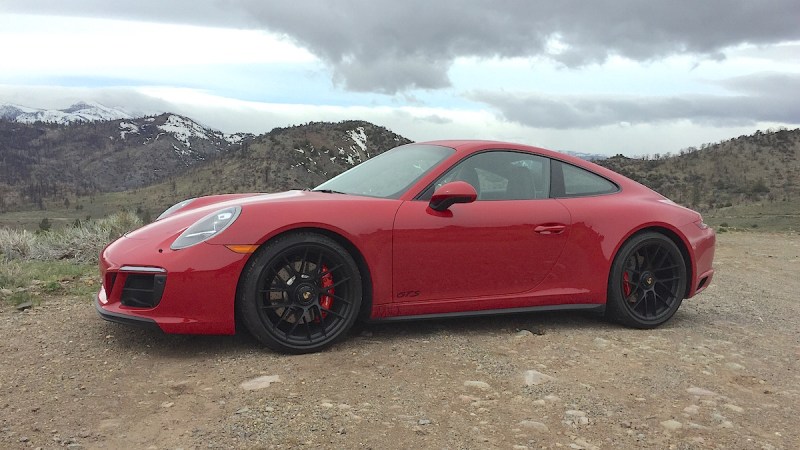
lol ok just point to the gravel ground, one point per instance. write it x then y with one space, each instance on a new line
722 374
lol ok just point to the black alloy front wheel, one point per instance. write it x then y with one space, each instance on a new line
299 293
647 282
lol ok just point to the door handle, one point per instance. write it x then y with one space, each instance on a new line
550 229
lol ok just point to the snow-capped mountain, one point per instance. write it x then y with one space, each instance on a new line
586 156
183 129
89 148
189 140
78 112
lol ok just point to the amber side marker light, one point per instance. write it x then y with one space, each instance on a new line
242 248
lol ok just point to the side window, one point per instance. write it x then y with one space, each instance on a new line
500 175
579 182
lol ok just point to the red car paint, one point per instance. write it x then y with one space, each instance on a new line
480 256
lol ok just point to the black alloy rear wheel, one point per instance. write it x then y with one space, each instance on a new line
647 282
299 293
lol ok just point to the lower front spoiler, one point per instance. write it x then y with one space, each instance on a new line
125 319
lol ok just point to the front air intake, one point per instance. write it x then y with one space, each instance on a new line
143 290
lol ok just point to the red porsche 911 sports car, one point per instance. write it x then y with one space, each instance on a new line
435 229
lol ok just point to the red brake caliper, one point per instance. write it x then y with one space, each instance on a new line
626 284
326 300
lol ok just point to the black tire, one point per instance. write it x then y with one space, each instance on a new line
647 282
299 293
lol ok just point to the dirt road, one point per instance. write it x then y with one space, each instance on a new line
724 373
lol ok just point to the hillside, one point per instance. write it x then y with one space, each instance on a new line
43 161
747 182
763 167
296 157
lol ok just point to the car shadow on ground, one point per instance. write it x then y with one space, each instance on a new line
133 339
536 323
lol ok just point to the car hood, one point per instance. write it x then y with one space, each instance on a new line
177 222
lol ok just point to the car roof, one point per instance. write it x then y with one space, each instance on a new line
469 146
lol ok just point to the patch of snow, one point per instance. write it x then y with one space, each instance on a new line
79 112
126 128
91 112
300 150
181 151
234 138
183 129
359 137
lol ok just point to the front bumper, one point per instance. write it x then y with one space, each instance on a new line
124 319
194 292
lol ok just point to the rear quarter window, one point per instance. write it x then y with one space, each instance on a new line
579 182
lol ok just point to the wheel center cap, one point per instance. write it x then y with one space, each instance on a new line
306 294
648 279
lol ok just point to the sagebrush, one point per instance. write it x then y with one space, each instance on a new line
81 243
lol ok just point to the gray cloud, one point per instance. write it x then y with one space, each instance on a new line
766 84
391 46
758 98
434 119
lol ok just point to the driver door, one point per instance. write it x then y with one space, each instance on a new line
504 243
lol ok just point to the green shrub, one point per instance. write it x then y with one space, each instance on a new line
27 279
53 287
18 298
45 225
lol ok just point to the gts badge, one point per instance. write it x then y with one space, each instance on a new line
407 294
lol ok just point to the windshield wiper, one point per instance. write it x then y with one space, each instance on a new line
328 191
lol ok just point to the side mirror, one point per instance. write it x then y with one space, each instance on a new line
451 193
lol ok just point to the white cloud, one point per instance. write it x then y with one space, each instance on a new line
75 45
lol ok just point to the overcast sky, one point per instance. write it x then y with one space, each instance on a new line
632 77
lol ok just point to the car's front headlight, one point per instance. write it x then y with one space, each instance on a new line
174 208
207 227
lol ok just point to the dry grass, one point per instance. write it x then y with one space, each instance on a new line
36 266
80 244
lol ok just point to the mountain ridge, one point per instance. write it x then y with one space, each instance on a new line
82 111
44 160
44 165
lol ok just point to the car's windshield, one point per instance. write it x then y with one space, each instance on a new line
389 174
